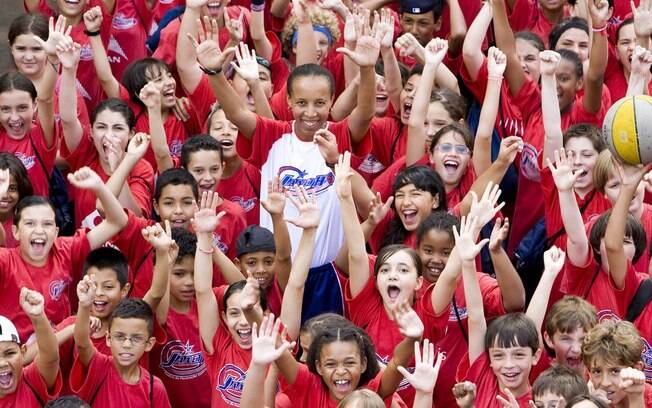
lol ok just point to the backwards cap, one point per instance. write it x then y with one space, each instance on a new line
417 6
253 239
8 331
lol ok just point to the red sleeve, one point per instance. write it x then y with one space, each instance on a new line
267 132
278 68
86 381
384 132
167 46
202 98
38 386
383 183
576 279
48 154
130 240
343 136
83 155
279 104
552 211
435 324
580 115
492 297
141 182
528 99
232 224
478 87
79 248
303 387
521 16
366 305
41 8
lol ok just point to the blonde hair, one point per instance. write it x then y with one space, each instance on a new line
318 16
602 171
571 313
612 341
362 398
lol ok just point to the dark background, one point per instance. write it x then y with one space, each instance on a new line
9 9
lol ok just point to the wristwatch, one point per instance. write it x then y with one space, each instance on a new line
209 71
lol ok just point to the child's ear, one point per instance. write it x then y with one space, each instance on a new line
125 290
23 349
438 22
14 231
108 339
579 84
419 282
155 205
435 202
364 365
150 344
536 357
639 366
548 340
238 264
318 367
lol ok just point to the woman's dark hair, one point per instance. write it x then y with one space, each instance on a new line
532 38
135 76
380 70
454 104
564 25
424 178
573 58
440 221
118 106
14 80
586 397
629 20
310 70
456 128
633 229
30 201
18 170
28 24
387 251
345 332
237 287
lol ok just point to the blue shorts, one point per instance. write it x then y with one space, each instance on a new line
323 293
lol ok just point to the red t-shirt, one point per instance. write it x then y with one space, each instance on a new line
509 121
202 99
27 152
309 391
598 205
454 343
26 397
10 241
227 366
243 188
179 363
227 232
140 180
366 310
131 20
487 388
102 384
614 77
62 268
529 206
598 288
528 16
87 84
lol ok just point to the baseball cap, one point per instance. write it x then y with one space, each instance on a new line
418 6
8 331
253 239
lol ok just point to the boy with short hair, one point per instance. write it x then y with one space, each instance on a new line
556 383
117 380
40 381
612 353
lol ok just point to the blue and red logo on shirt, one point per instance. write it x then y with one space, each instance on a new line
56 288
179 361
530 163
246 204
646 357
230 382
291 177
28 161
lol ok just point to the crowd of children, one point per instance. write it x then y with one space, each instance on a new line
323 203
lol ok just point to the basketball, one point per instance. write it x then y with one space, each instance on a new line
627 129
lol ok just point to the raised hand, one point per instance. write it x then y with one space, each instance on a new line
114 154
509 148
367 47
343 174
465 239
207 46
86 291
93 19
56 33
263 344
205 220
378 210
509 402
159 238
487 208
435 51
31 302
150 95
138 145
327 144
553 260
385 27
408 321
250 294
234 27
642 18
350 32
300 12
496 62
308 209
641 61
464 393
632 381
5 177
275 201
95 324
181 108
562 170
196 3
333 5
548 62
68 53
426 368
85 179
600 13
408 45
630 176
498 234
246 66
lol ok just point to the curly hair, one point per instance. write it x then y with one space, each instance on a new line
613 342
318 16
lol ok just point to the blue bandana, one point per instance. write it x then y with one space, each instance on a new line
316 27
